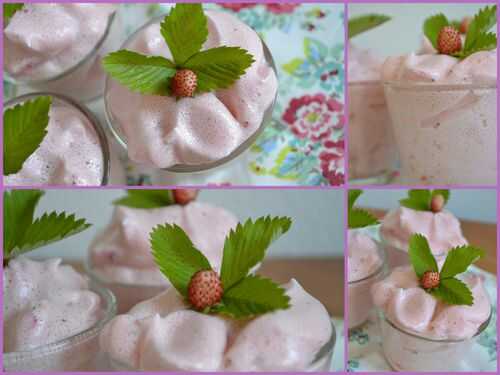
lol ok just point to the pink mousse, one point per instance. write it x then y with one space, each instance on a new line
161 131
364 258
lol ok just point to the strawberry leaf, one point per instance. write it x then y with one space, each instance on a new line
358 218
453 292
482 22
352 197
138 198
361 24
459 259
420 199
9 10
420 254
432 27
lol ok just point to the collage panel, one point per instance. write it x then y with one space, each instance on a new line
422 280
422 94
233 94
173 280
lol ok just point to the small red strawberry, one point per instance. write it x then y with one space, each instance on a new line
184 196
205 289
464 25
184 83
437 203
430 280
449 41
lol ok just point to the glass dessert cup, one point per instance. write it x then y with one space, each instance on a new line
116 130
359 293
372 150
321 363
83 81
407 351
79 352
85 112
445 133
127 295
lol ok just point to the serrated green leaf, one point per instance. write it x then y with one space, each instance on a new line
18 212
353 196
482 22
47 229
358 25
140 73
252 296
484 42
443 192
176 256
358 218
420 254
432 27
246 246
24 128
137 198
219 68
459 259
418 199
453 292
185 30
9 10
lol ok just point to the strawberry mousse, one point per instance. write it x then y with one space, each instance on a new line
442 230
421 333
164 131
372 152
47 306
365 266
58 47
162 334
73 152
120 256
443 112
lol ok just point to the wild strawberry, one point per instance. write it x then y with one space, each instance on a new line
205 289
437 203
449 41
184 196
184 83
464 25
430 279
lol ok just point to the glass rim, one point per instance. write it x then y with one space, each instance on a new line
480 330
192 168
383 257
94 121
437 86
60 345
70 69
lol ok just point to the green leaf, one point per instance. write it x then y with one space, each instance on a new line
418 199
140 73
47 229
246 246
24 128
459 259
421 256
444 193
432 27
146 198
353 196
176 256
484 42
482 22
219 68
18 212
358 25
9 10
252 296
185 30
358 218
453 292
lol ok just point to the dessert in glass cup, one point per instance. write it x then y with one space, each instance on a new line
443 104
372 151
189 102
52 140
232 320
52 314
58 47
423 211
431 313
120 255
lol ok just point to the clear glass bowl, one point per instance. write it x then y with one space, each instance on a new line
372 150
407 351
96 125
321 363
79 352
127 295
445 134
360 303
191 168
85 80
